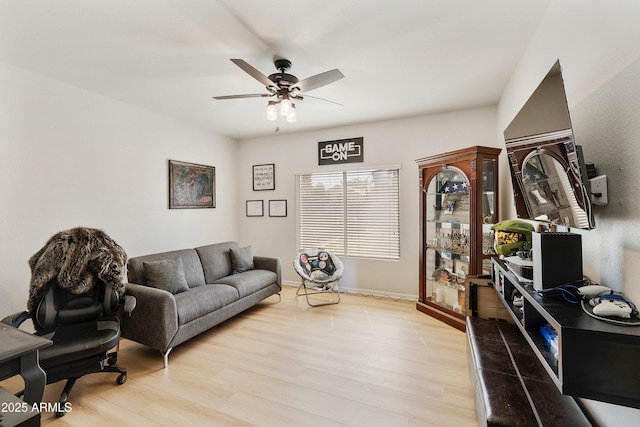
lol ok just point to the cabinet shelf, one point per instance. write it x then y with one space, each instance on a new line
484 193
460 224
595 359
452 253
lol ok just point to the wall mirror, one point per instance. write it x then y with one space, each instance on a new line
547 168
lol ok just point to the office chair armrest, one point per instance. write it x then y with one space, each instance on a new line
129 304
16 319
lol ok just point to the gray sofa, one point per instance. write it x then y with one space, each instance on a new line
183 293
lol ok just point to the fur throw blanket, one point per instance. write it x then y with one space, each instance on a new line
76 259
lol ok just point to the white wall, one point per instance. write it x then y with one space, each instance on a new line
73 158
607 124
597 44
385 143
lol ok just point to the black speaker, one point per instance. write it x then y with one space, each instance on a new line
557 259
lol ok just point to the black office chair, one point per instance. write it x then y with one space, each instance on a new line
83 328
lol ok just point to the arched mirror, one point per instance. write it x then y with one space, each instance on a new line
549 192
547 168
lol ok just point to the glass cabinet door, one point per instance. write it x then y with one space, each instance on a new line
447 238
489 176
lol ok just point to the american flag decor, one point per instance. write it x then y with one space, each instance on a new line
450 187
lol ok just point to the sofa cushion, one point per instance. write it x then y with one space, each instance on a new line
203 300
241 259
190 262
250 281
216 260
166 274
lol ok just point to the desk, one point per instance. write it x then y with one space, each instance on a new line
19 356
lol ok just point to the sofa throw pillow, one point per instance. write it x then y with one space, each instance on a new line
166 274
241 259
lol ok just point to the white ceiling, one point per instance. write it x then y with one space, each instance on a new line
400 58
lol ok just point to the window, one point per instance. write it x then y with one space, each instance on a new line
351 213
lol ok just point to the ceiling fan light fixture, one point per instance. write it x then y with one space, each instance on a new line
272 111
292 116
285 106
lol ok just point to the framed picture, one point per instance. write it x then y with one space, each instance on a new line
277 208
450 207
191 185
255 208
264 177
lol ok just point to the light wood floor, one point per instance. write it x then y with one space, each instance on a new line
363 362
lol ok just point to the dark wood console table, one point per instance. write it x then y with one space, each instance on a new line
19 356
595 360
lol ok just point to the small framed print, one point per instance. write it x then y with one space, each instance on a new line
264 177
277 208
450 207
255 208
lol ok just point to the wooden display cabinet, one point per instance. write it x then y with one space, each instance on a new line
458 206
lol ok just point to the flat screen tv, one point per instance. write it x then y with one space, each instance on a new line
547 167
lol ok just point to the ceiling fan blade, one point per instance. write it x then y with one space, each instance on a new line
318 80
248 95
254 73
318 102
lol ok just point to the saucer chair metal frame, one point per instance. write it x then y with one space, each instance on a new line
317 281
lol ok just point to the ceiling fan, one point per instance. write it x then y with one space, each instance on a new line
286 89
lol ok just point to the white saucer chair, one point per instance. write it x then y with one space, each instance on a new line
320 271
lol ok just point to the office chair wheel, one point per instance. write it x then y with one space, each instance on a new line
113 359
122 378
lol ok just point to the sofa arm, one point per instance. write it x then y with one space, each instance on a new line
271 264
154 322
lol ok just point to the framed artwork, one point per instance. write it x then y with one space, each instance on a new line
191 185
264 177
277 208
255 208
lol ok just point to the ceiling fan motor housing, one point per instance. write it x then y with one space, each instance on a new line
283 80
282 64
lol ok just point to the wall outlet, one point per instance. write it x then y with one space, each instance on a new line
599 190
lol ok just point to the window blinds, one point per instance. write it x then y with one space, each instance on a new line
351 213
